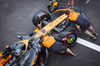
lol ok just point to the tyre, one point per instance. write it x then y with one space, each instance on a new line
39 17
71 35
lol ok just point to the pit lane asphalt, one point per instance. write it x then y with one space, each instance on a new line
16 19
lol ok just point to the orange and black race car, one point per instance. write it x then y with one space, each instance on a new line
29 51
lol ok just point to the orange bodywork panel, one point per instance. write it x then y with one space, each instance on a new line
36 30
4 60
59 10
1 54
51 25
55 4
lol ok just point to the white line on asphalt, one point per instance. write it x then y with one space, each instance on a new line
87 1
88 44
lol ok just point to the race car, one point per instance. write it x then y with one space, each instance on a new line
29 50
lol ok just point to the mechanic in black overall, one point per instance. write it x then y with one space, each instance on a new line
83 22
54 44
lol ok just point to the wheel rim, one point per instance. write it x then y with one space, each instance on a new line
71 38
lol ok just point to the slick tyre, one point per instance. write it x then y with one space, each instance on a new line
71 35
39 17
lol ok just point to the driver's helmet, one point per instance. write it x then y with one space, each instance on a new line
18 52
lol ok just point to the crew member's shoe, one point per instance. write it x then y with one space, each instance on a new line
93 38
95 34
74 55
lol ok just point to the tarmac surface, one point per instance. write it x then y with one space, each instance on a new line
16 19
